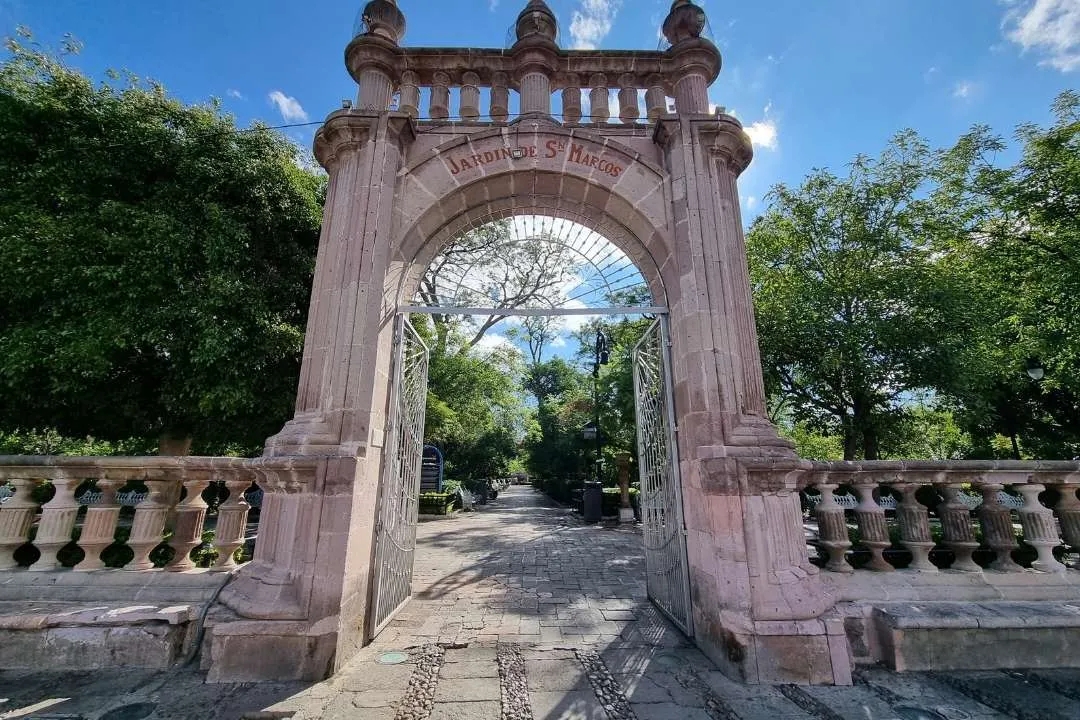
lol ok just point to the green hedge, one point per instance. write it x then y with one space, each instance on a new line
436 503
612 499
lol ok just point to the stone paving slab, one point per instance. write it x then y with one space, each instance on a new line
484 588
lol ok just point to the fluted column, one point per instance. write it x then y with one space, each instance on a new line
409 94
599 112
655 98
535 92
628 99
1040 529
500 97
997 528
832 528
190 520
375 90
1068 514
956 527
99 525
873 529
571 100
915 527
470 96
16 518
439 107
57 521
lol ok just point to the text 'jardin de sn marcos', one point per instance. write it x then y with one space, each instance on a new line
575 152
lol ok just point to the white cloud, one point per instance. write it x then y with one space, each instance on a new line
235 94
1050 27
493 341
492 5
763 134
289 107
592 22
751 201
963 90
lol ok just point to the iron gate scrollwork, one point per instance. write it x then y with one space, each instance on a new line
400 482
661 492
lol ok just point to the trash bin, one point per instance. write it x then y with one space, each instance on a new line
592 500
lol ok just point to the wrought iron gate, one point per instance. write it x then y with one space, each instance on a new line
399 486
661 492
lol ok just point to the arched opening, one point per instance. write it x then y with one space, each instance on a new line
583 335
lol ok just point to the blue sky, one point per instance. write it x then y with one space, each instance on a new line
814 81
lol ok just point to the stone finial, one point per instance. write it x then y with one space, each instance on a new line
537 20
384 19
686 21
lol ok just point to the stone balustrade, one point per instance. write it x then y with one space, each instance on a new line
479 85
131 512
965 516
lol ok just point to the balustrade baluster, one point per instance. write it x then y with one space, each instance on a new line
190 518
232 521
99 525
599 111
996 520
148 528
1068 514
439 107
655 98
915 527
957 529
628 99
500 97
470 96
57 522
1040 529
409 94
832 529
872 526
571 100
16 519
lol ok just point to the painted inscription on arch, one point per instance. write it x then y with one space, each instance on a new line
576 152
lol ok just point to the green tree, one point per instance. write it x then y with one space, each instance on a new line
854 310
159 260
475 412
1016 239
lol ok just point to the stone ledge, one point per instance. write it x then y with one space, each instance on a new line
111 586
975 636
40 616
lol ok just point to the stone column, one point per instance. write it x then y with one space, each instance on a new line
655 98
599 112
439 106
409 94
362 154
571 100
626 510
758 602
470 96
628 99
500 97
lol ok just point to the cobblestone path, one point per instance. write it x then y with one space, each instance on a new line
521 612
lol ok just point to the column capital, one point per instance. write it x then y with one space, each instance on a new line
343 132
727 141
371 51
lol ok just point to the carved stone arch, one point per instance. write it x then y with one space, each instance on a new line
495 197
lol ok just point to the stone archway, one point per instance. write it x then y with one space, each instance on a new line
665 192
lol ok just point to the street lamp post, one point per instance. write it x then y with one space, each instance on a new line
601 358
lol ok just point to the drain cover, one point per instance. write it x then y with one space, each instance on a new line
135 711
910 712
392 658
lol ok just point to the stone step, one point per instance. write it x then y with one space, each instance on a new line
945 636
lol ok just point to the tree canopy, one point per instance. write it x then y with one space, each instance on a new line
161 258
919 288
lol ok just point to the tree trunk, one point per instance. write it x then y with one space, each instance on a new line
851 438
169 444
870 443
